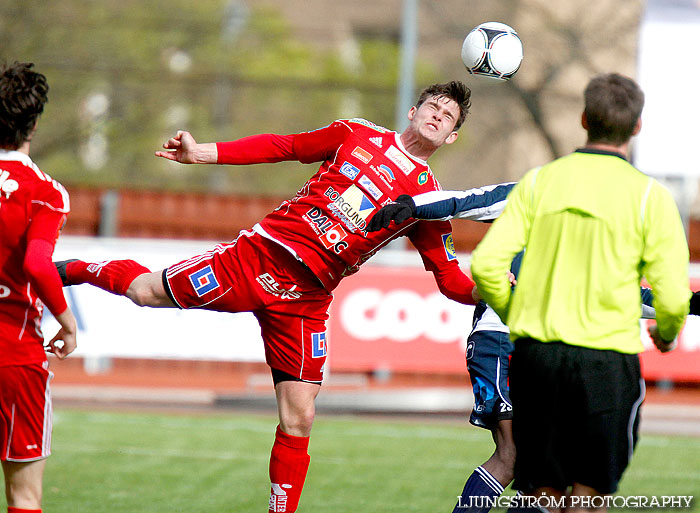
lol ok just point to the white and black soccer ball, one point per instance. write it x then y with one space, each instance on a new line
493 50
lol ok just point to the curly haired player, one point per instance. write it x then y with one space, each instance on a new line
33 208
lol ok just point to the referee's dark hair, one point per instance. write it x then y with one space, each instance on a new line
23 94
613 106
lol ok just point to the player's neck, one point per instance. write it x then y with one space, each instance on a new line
416 145
24 148
622 149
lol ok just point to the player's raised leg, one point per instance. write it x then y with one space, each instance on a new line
121 277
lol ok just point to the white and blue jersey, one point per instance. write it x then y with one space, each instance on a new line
489 345
483 204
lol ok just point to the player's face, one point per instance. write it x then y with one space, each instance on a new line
435 119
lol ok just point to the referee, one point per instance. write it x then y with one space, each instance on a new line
593 226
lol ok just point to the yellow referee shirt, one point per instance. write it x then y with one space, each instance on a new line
593 226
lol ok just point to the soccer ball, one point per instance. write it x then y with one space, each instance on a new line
492 50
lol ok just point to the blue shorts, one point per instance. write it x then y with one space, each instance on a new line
488 358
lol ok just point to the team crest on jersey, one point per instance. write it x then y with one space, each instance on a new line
423 178
352 207
377 141
369 186
449 245
203 280
349 170
318 344
401 160
361 154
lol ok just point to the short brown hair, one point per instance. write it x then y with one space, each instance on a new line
23 93
454 90
613 106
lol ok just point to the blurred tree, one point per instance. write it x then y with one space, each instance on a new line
125 75
535 116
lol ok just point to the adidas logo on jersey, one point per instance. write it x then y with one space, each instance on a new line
377 141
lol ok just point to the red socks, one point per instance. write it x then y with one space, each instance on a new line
114 276
10 509
289 462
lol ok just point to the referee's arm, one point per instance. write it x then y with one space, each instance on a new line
665 261
492 258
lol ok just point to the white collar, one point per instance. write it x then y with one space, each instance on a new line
397 138
17 156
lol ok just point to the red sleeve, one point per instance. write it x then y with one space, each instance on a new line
50 205
43 275
433 240
306 147
256 149
456 285
46 225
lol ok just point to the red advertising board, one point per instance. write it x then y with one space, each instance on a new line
681 364
396 319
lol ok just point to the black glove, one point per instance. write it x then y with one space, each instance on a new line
695 303
401 209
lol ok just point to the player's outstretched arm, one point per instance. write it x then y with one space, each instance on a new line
184 149
479 204
400 210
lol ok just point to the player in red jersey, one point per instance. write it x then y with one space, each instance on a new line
284 269
33 208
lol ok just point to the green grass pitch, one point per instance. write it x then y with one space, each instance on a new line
109 461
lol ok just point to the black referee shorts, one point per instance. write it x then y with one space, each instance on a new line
575 415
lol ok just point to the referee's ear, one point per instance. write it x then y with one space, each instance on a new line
637 126
584 121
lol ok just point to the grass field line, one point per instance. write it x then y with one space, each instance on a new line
237 456
657 441
693 477
267 426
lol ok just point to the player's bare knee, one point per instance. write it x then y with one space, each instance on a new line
298 422
27 496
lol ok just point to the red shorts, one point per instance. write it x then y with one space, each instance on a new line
25 412
254 274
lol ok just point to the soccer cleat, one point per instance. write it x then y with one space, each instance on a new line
61 268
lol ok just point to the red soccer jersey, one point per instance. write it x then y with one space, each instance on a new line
32 207
364 167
